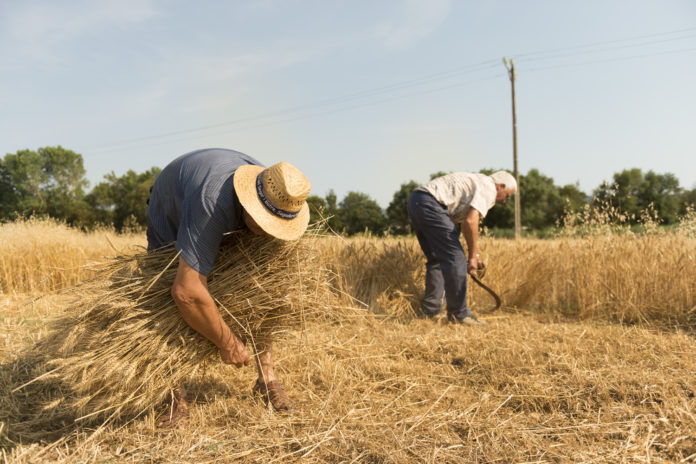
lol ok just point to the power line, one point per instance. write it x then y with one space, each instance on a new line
329 101
606 42
612 60
322 113
618 47
425 80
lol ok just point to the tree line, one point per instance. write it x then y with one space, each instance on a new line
51 182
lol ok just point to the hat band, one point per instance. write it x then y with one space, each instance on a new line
281 213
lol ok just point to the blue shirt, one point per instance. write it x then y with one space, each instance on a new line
193 203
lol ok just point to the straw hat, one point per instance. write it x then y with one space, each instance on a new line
275 198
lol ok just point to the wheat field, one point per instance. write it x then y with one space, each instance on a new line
591 358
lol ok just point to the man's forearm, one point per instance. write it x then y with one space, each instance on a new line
470 231
204 318
470 237
198 309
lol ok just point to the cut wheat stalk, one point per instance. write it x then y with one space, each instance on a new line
123 346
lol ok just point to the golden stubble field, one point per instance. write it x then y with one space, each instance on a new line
591 359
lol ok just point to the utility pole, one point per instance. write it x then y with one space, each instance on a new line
510 66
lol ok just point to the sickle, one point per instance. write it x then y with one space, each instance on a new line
489 290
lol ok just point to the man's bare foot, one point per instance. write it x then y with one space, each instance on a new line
274 392
177 412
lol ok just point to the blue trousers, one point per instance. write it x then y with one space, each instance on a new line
445 268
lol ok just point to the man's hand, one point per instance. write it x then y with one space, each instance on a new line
235 353
475 263
197 307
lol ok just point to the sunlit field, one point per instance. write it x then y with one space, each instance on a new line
591 358
41 255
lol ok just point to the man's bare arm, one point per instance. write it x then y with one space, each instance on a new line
470 231
197 307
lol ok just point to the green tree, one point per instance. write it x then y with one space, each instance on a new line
622 192
23 177
47 181
573 198
437 174
317 208
358 212
501 216
397 214
664 193
540 200
8 198
122 200
65 191
334 220
688 199
632 192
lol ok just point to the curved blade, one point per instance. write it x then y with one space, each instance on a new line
488 289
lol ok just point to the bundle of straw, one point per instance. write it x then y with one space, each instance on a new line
130 347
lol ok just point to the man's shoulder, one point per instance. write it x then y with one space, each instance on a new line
480 180
462 177
461 181
215 156
459 175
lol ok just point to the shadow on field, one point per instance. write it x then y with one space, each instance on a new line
35 408
31 412
207 390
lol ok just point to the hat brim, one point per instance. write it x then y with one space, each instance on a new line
284 229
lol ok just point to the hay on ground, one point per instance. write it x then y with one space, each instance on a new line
123 347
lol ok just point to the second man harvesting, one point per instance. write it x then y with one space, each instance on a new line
434 209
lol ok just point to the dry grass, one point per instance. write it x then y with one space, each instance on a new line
122 347
628 279
386 275
45 255
623 278
518 390
552 378
592 273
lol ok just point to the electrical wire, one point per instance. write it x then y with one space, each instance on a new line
313 115
610 60
606 49
485 65
606 42
267 119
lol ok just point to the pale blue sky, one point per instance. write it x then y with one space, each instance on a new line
360 95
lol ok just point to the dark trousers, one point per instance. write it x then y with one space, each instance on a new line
445 268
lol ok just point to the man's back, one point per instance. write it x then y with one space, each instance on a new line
193 203
460 191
